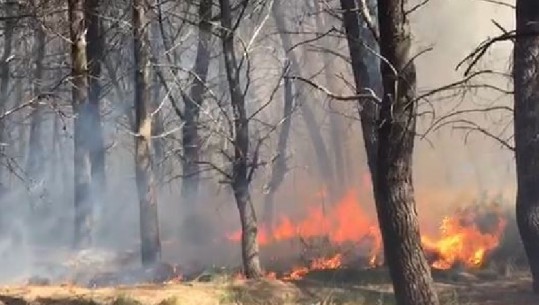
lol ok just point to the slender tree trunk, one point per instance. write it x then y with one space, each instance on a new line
368 110
279 167
337 130
35 160
149 222
240 180
82 167
395 203
322 155
94 51
526 126
5 76
35 157
119 92
193 103
157 128
22 130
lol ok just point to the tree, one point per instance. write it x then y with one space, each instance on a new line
35 161
10 7
94 51
149 222
313 128
35 155
368 110
279 165
82 170
193 103
526 128
240 162
394 191
337 127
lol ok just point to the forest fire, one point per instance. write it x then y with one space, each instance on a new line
463 241
464 238
333 262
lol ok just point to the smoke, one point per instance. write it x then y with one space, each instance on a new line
36 219
454 158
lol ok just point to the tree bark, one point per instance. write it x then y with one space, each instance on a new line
368 110
157 128
82 170
240 166
193 103
149 222
94 51
526 128
395 203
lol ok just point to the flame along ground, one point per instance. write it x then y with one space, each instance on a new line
460 239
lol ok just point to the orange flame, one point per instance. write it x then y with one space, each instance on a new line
344 222
462 242
459 239
298 273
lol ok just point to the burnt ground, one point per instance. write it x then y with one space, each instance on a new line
332 287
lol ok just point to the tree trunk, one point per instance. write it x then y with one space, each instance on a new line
4 78
368 111
35 161
279 168
193 103
526 126
94 51
322 155
337 128
240 166
395 203
149 222
157 128
82 170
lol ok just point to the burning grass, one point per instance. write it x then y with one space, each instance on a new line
322 258
346 235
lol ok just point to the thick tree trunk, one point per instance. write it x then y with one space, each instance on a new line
395 203
193 102
368 110
526 126
82 170
94 51
279 168
313 128
240 166
149 222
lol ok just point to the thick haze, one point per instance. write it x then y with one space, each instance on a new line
448 171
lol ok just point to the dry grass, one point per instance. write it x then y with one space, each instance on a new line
340 288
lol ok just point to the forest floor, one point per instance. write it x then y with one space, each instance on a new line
329 287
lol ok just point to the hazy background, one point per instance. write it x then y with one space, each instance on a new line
449 171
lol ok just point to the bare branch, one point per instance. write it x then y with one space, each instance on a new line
370 95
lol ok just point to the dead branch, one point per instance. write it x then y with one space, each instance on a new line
453 85
436 124
369 96
483 47
501 3
470 127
